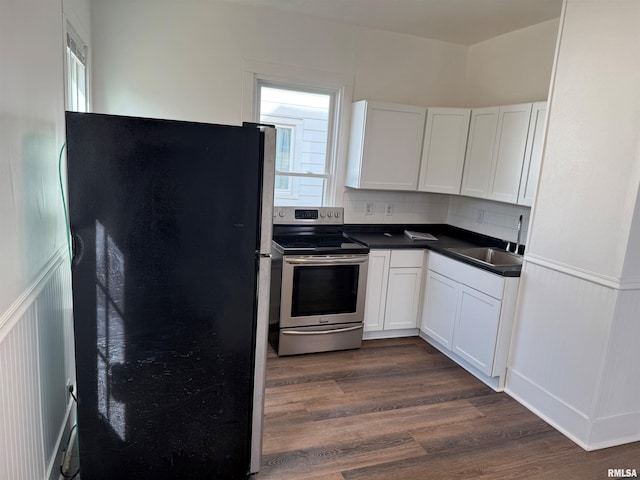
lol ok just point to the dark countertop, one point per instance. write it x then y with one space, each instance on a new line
392 237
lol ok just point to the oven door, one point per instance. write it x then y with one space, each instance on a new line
323 289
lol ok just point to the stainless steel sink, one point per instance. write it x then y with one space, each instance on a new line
490 256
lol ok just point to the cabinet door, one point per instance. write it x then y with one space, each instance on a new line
443 149
508 155
377 280
440 308
403 298
385 150
533 155
476 330
479 155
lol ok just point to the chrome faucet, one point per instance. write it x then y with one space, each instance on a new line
519 232
508 247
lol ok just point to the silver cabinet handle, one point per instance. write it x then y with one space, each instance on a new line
317 259
321 332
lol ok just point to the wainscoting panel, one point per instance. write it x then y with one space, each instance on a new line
617 418
34 368
560 335
559 343
20 396
52 323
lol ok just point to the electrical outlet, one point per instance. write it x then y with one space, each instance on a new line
388 209
368 208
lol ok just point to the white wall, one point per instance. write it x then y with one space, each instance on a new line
36 336
574 353
185 59
494 219
31 135
407 207
78 13
512 68
591 170
631 268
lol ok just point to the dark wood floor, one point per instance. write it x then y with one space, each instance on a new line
398 409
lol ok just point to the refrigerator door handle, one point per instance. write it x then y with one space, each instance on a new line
77 249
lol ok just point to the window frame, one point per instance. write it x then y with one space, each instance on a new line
295 124
328 176
301 77
71 33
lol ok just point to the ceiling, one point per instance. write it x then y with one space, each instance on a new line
465 22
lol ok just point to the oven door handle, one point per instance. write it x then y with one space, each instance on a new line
319 260
321 332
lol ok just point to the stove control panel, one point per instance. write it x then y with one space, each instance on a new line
308 215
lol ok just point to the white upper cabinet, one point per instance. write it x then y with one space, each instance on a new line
385 146
490 152
533 154
495 152
508 156
443 149
477 165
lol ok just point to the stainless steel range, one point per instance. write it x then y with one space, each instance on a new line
318 282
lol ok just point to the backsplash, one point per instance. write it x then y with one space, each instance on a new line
495 219
406 207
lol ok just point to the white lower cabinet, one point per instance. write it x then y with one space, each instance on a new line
377 282
403 298
440 308
394 288
476 330
468 314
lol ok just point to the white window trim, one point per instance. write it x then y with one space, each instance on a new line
294 76
70 27
296 125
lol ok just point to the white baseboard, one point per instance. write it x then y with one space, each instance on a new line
492 382
563 417
615 430
65 429
378 334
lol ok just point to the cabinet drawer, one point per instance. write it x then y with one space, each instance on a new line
473 277
407 258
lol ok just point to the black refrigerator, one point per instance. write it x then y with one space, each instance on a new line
171 230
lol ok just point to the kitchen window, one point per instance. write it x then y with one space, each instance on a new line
304 141
76 62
